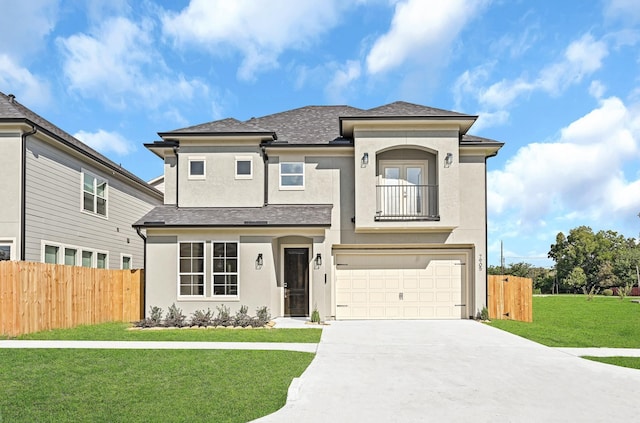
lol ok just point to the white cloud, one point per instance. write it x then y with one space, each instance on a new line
25 24
106 142
419 29
28 88
626 10
119 64
341 82
597 89
581 173
581 58
259 30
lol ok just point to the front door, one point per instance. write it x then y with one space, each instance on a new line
296 281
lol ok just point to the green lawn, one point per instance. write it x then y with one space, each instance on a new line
118 332
572 321
632 362
73 385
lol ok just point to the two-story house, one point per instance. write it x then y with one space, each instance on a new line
362 214
62 201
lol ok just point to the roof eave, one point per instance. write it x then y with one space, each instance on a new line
465 121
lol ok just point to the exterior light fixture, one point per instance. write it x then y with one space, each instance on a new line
259 260
365 159
448 160
319 258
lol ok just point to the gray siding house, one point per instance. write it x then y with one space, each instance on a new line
63 202
360 214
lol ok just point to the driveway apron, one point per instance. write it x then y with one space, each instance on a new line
452 371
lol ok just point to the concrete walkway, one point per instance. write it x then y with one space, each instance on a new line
601 352
452 371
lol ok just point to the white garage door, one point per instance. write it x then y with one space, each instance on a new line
399 286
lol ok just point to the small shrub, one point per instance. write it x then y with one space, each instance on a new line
262 316
537 291
624 291
201 318
315 315
590 293
175 318
607 292
484 313
223 318
154 319
242 317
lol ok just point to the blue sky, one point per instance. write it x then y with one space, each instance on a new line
557 81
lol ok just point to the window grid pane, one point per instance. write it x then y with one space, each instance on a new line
292 174
191 263
225 268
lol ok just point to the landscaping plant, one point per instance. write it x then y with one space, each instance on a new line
175 318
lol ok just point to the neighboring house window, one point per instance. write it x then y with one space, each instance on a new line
51 254
126 262
87 258
6 250
101 262
94 194
225 268
70 256
196 168
292 175
244 168
191 268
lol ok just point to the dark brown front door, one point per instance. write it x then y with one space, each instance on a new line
296 281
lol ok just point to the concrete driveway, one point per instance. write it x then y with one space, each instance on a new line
452 371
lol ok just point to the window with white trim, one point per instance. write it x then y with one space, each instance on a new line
51 254
102 261
87 258
6 250
125 263
196 167
244 168
94 194
225 269
191 269
70 256
292 175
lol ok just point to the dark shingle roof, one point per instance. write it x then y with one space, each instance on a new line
229 125
402 108
12 111
270 215
473 139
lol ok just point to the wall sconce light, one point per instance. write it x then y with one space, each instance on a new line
319 260
259 261
480 263
448 160
365 159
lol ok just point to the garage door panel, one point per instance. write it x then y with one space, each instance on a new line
398 287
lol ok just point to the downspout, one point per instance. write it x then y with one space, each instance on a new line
144 272
23 193
265 159
175 151
486 232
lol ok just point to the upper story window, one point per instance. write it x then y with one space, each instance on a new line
196 168
94 194
244 168
292 175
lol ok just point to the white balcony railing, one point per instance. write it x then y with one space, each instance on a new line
407 202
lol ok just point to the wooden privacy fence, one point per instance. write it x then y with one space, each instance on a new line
510 297
39 296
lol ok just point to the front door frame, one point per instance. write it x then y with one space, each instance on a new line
308 247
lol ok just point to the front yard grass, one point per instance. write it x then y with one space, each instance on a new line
69 385
117 331
572 321
631 362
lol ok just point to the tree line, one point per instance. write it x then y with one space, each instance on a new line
584 262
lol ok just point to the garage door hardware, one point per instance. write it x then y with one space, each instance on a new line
342 305
460 305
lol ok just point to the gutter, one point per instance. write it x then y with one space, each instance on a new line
144 271
23 191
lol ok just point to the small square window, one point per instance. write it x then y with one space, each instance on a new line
244 168
126 262
196 168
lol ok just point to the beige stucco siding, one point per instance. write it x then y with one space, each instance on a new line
54 207
220 187
10 189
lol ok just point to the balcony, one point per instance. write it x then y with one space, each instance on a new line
406 202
